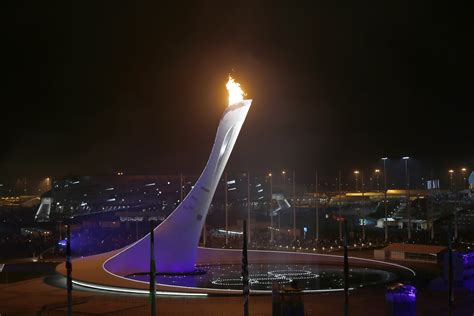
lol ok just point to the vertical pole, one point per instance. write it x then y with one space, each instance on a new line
407 176
339 204
317 207
357 182
68 269
245 271
450 268
451 176
363 191
294 207
271 226
346 269
451 181
432 228
226 206
385 199
271 208
464 178
248 206
430 205
152 270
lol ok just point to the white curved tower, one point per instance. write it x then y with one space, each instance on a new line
177 237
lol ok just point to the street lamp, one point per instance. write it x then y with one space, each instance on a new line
451 176
384 159
377 174
294 207
356 173
463 171
406 158
226 208
283 175
316 204
271 211
248 207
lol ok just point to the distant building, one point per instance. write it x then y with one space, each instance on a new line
410 252
130 196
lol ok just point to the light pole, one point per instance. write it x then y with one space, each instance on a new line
463 171
248 206
406 158
377 182
226 207
294 207
316 202
430 208
271 209
451 182
356 173
339 204
384 159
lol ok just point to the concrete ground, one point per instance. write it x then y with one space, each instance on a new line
35 297
47 296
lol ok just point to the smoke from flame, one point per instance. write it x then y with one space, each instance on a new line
236 94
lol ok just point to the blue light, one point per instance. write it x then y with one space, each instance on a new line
467 257
401 293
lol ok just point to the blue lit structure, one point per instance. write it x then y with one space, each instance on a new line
463 269
401 300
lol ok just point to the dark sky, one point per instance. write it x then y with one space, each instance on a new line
99 87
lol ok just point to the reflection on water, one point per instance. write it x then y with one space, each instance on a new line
262 276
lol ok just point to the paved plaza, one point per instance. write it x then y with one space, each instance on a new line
37 297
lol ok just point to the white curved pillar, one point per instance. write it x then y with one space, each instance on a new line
177 237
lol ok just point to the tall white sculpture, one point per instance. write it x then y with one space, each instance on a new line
177 237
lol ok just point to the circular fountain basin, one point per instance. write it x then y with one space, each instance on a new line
314 273
309 277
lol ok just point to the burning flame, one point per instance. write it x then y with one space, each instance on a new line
236 94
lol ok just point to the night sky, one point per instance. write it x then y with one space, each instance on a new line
100 87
